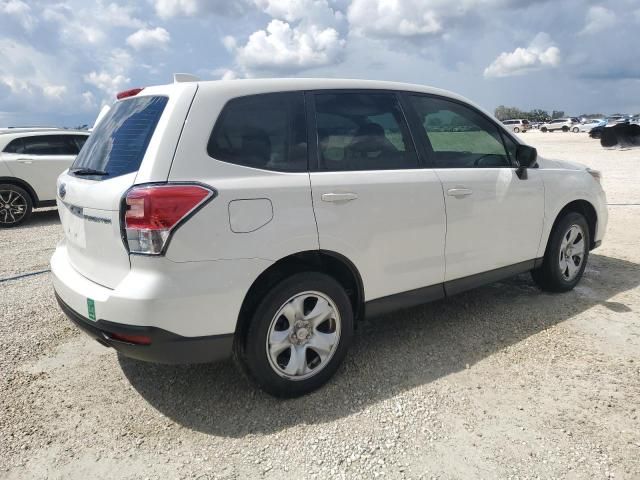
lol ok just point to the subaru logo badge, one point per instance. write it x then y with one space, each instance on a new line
62 190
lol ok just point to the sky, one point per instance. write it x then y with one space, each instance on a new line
60 61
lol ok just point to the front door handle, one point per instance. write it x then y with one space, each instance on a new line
459 192
339 197
26 161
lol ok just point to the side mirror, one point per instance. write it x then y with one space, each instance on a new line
526 157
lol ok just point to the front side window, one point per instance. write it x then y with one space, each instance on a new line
266 131
458 136
362 131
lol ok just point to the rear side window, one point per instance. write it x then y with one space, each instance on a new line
119 142
362 131
44 145
80 140
266 131
15 146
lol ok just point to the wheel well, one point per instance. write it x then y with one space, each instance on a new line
585 208
331 263
22 184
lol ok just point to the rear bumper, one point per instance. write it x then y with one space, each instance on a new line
164 347
188 299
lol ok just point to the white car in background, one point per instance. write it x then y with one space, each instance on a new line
30 162
563 124
517 126
588 125
263 218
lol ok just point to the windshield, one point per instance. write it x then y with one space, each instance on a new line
118 144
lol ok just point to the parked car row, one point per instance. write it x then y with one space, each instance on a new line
571 124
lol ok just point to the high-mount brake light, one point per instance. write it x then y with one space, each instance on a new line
128 93
153 212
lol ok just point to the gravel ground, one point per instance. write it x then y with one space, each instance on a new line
500 382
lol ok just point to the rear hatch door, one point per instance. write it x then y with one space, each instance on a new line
134 143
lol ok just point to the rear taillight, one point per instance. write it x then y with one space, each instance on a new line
153 212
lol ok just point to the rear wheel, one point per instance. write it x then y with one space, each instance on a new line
565 129
516 130
576 129
15 205
298 335
566 256
544 129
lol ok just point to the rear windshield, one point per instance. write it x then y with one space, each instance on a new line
120 140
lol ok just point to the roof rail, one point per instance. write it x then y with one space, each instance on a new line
184 77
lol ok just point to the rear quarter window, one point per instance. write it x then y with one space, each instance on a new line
266 131
119 142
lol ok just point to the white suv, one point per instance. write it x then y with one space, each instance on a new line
266 217
564 124
30 162
517 126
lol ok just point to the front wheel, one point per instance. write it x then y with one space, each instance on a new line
544 129
576 129
516 130
15 206
298 335
566 256
565 129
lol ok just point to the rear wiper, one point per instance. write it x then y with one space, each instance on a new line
87 171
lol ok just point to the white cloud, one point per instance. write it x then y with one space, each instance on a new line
54 91
281 47
538 55
25 70
225 74
318 12
173 8
394 17
598 19
107 82
21 11
149 38
89 22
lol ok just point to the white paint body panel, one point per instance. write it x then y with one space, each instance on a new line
498 224
394 230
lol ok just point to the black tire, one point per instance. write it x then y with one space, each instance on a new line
12 196
544 130
251 351
565 129
516 130
549 276
576 129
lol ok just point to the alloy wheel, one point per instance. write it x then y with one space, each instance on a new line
572 252
13 207
303 335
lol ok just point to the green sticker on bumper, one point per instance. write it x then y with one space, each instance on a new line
91 307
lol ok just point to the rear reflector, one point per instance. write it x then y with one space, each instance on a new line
153 212
136 339
128 93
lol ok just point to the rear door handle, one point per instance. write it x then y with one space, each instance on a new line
459 192
26 161
339 197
